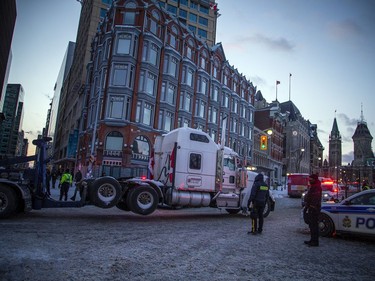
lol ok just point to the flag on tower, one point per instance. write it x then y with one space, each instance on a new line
277 82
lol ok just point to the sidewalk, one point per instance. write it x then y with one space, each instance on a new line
55 192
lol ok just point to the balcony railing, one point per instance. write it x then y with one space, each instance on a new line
112 153
140 157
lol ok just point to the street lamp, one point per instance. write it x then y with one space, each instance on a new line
269 133
320 165
299 158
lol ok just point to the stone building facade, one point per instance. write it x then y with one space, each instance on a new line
148 75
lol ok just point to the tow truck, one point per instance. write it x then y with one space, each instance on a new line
190 170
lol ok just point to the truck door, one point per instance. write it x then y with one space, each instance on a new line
229 175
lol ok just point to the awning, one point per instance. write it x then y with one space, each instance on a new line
65 160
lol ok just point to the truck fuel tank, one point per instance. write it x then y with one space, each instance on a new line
188 198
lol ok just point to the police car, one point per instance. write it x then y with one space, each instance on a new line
353 215
332 191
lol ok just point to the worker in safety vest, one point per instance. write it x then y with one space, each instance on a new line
257 202
65 183
365 186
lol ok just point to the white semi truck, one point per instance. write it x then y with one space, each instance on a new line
189 170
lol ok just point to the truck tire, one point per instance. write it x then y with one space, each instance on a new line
267 209
8 202
143 200
105 192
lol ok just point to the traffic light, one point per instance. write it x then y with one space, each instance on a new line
263 143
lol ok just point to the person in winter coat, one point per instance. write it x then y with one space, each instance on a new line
258 198
54 177
77 179
313 203
65 182
48 181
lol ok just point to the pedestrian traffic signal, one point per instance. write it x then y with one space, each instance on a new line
263 143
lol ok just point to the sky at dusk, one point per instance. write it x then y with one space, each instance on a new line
327 45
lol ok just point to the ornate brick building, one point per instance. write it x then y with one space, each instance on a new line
148 75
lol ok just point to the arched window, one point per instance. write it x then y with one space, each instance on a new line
141 149
203 60
153 23
190 49
129 15
173 37
130 5
216 70
226 77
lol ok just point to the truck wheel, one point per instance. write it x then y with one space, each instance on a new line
144 200
267 209
105 192
232 211
8 202
326 226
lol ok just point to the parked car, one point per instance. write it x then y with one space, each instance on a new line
353 215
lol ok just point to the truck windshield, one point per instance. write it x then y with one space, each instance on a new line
229 162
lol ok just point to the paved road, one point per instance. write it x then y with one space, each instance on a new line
187 244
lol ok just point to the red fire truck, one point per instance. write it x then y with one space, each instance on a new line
297 184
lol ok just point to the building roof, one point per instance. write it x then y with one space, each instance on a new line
362 131
290 107
335 133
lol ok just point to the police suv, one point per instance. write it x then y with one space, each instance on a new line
353 215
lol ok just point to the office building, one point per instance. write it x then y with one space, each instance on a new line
55 106
199 16
71 94
8 14
11 127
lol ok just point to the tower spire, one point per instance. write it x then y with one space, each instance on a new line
335 133
335 150
362 118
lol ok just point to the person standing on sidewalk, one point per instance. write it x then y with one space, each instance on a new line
65 183
48 182
313 203
77 179
54 177
258 198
